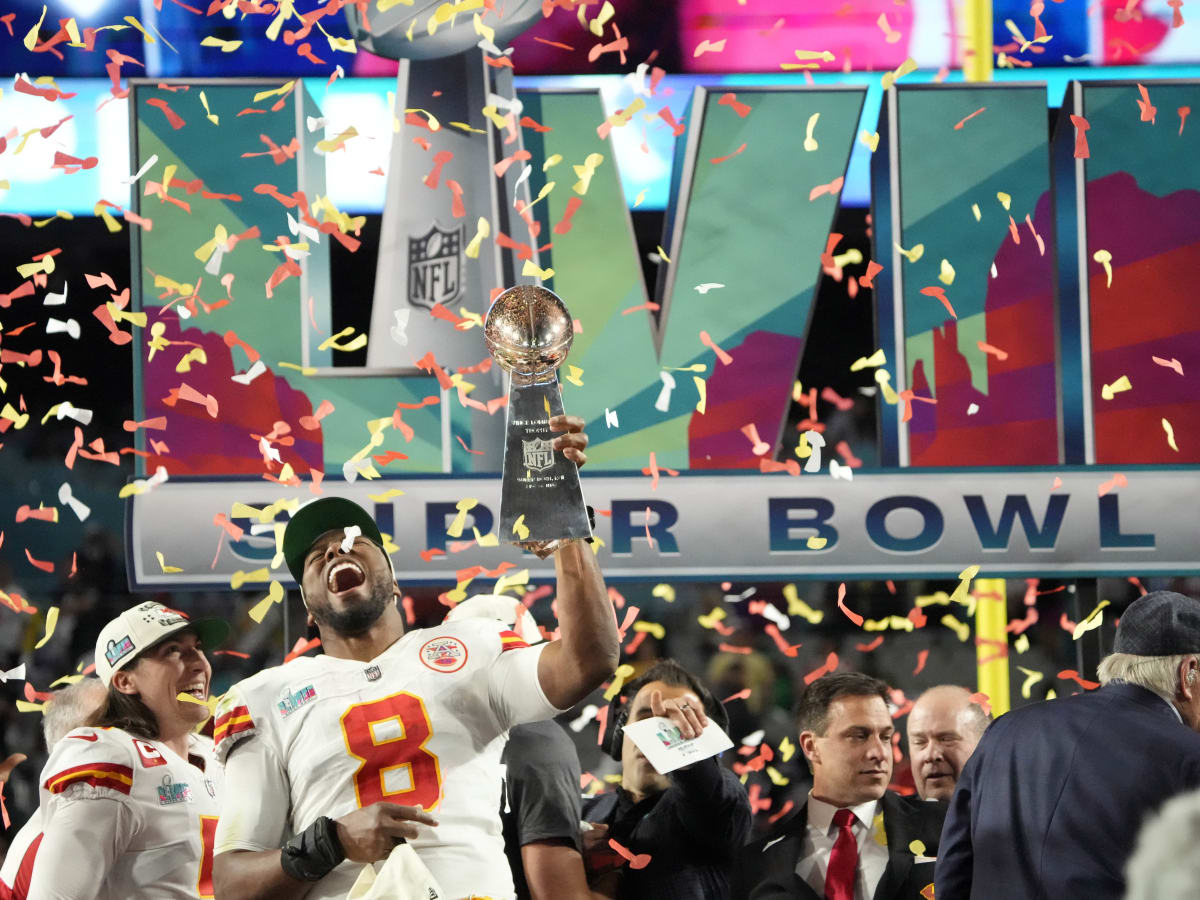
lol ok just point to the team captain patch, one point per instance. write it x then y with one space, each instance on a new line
443 654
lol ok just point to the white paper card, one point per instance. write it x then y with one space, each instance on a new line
659 739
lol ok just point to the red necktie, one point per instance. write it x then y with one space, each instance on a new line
843 861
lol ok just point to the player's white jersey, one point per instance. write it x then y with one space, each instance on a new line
162 835
423 724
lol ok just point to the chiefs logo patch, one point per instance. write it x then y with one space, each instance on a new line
443 654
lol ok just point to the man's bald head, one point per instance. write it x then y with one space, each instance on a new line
943 728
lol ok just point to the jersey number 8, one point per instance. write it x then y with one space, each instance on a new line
386 736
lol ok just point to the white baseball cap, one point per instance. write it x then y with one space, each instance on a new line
498 606
143 626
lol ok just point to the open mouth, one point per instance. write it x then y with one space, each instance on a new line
195 689
345 575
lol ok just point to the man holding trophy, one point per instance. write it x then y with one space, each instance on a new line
332 761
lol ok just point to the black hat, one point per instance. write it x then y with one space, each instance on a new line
313 520
1162 623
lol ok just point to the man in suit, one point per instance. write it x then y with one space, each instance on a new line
853 839
944 726
1050 803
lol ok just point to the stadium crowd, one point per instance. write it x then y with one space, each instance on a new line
427 764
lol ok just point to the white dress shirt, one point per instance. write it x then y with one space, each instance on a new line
821 835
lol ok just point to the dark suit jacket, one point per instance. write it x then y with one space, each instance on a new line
770 873
1050 803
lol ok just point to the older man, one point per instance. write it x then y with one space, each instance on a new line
1050 803
853 839
943 728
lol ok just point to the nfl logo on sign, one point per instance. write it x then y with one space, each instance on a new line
537 454
435 267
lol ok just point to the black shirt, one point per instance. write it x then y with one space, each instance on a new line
692 832
542 793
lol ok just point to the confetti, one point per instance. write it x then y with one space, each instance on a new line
636 861
810 143
1147 109
275 594
841 602
1115 482
1170 364
890 78
946 274
1170 435
51 623
889 34
1072 675
963 122
1108 391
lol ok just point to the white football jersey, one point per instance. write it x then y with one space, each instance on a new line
159 842
423 724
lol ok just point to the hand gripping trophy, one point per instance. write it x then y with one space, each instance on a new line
529 331
427 224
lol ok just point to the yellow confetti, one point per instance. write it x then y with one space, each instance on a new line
463 126
777 777
26 706
1105 259
485 540
710 621
531 269
1005 199
1093 620
640 197
809 59
337 141
389 546
573 374
508 582
702 390
188 698
283 89
870 141
1108 391
883 378
797 607
962 629
226 46
463 506
162 564
208 114
976 213
554 160
334 341
876 359
434 125
946 275
275 594
195 355
786 749
1021 644
1170 435
851 257
238 578
917 848
662 254
587 170
338 44
483 228
816 543
386 495
810 143
664 592
618 682
30 39
653 628
803 448
303 370
890 78
51 623
18 419
912 255
1031 678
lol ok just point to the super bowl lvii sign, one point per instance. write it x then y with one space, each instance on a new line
1020 281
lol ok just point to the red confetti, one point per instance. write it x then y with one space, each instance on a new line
743 694
831 663
1072 675
301 647
922 658
636 861
731 101
720 159
867 648
959 126
172 116
236 653
1081 142
841 602
940 294
384 458
468 449
731 648
564 224
37 563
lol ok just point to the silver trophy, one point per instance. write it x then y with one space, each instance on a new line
529 332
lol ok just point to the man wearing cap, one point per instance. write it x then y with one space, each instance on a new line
130 802
332 760
1050 803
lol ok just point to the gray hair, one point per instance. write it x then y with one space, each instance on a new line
1163 865
1159 674
71 707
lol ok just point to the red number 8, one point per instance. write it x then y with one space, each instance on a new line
407 750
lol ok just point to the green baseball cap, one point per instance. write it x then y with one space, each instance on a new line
314 519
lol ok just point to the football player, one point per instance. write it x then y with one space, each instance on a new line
332 760
130 802
65 711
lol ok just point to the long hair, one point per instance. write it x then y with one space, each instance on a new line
127 712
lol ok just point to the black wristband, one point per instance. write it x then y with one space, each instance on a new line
592 522
314 852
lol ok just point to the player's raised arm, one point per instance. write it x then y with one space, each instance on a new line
587 650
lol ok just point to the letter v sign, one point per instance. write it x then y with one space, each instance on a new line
745 214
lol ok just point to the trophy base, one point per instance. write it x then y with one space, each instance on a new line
541 502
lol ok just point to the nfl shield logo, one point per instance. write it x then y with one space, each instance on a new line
372 673
538 456
435 267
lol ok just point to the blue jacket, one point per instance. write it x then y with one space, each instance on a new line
1050 803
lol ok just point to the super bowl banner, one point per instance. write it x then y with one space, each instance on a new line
1015 322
